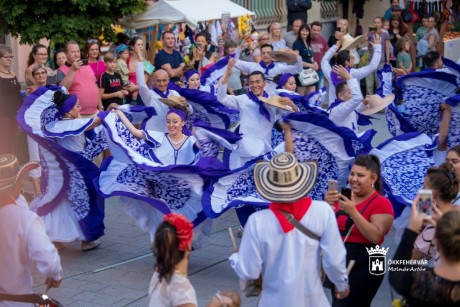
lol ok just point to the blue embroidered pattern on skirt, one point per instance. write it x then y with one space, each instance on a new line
48 115
208 148
95 146
422 108
454 129
44 186
78 193
391 122
134 179
156 185
243 186
129 140
307 148
175 198
404 172
277 137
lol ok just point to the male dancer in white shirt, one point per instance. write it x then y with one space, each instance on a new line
256 117
269 68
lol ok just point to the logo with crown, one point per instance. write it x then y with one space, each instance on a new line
377 260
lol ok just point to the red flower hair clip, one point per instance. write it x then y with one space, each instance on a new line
184 229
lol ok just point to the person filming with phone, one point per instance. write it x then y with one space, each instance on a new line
364 217
443 185
202 54
422 286
80 80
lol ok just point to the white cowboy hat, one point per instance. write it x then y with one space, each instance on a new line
377 103
283 56
348 42
283 179
274 101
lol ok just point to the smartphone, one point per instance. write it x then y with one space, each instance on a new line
346 192
332 185
372 29
338 29
425 202
85 61
198 45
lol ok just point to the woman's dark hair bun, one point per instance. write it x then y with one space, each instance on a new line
59 97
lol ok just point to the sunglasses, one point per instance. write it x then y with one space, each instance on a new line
92 40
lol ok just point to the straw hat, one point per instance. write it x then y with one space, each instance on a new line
348 42
377 103
274 101
11 175
283 56
283 179
173 101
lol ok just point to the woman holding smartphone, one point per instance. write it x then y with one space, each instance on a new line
202 55
443 183
422 286
453 157
363 222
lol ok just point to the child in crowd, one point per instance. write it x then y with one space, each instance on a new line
422 30
60 58
122 69
386 25
111 86
403 59
419 35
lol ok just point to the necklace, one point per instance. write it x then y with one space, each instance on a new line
181 273
178 142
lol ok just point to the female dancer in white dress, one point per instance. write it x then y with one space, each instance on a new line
76 206
172 148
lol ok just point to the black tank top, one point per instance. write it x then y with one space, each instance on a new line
10 96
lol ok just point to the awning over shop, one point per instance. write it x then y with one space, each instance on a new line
189 11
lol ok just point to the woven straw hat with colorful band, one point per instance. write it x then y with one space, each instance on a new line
11 176
283 179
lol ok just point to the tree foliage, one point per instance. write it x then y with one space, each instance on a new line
63 20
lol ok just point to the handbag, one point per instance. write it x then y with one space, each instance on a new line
308 77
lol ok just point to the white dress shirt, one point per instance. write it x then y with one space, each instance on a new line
290 262
280 68
344 114
357 73
256 130
24 246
